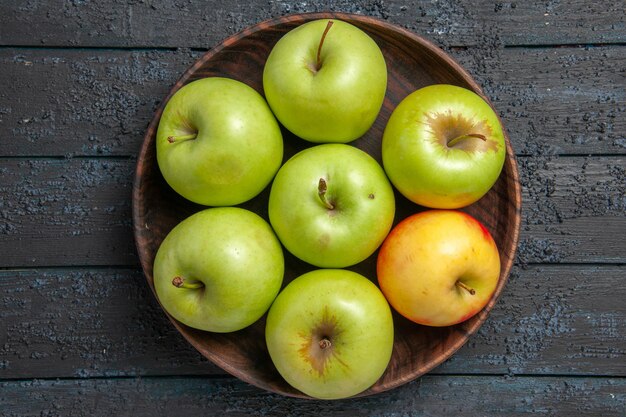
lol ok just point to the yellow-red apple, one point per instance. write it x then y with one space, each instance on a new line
438 267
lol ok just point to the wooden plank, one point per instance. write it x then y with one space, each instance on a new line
77 211
203 24
430 396
99 102
82 102
552 320
573 209
66 212
556 100
567 320
524 22
87 322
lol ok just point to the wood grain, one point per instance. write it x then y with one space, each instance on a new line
77 211
75 102
66 211
200 24
556 100
96 322
562 221
492 396
82 102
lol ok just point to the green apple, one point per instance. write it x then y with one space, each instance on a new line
326 81
219 270
330 333
331 205
218 143
443 147
438 267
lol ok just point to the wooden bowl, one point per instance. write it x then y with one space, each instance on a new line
413 63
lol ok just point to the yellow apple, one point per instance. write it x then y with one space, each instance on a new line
438 267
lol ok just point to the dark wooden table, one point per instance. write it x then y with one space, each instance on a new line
80 332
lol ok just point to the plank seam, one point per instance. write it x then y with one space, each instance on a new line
230 377
140 48
138 268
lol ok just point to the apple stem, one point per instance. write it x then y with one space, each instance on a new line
322 187
181 138
325 343
466 288
179 282
456 140
318 63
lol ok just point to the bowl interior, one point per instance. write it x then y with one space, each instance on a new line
412 63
